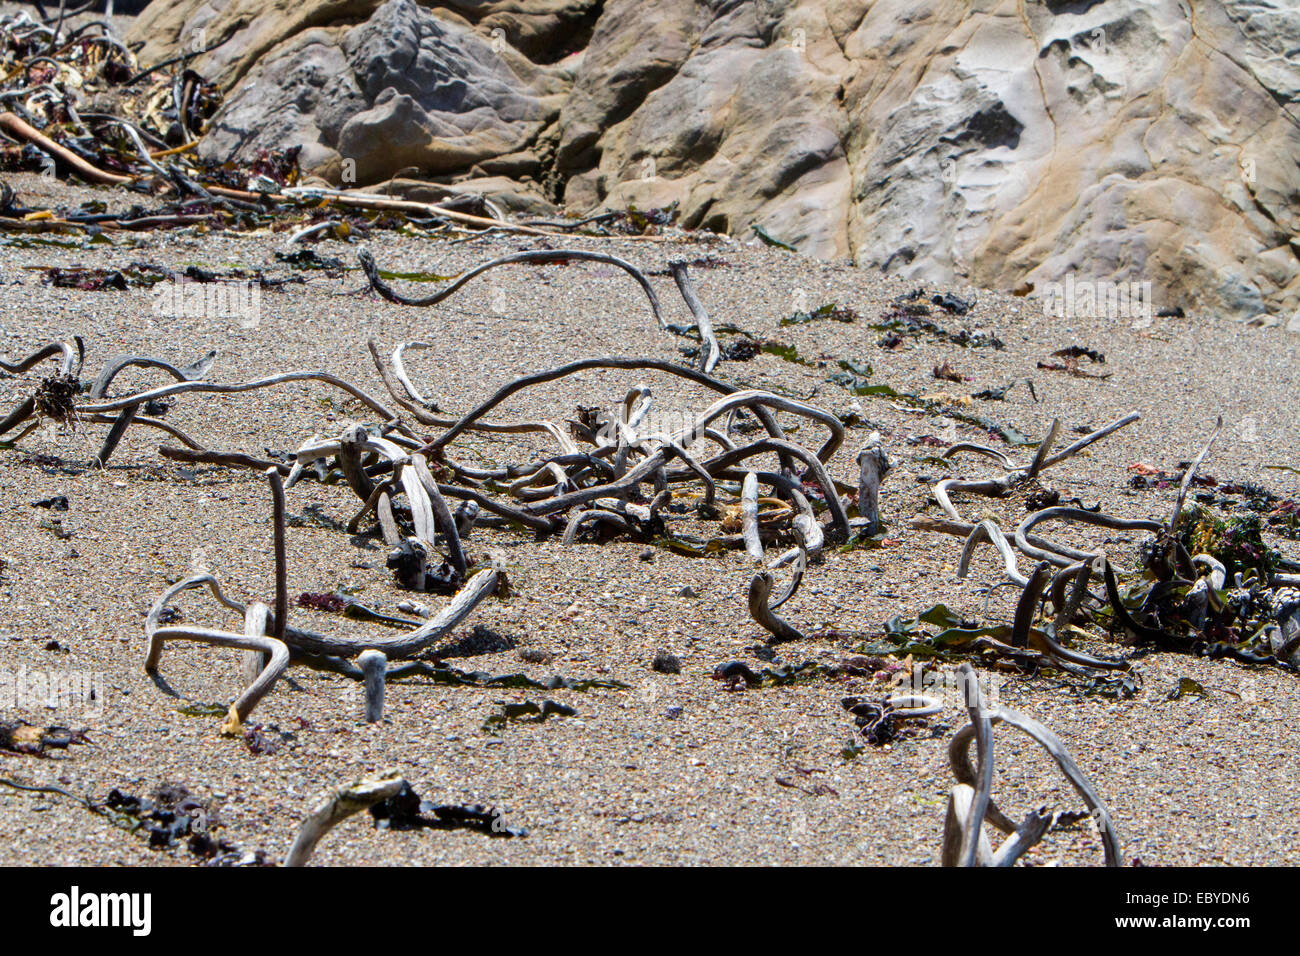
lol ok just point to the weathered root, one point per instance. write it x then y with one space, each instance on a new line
285 643
971 803
71 353
1023 632
338 806
581 518
987 530
710 352
1016 474
873 466
183 388
537 257
469 419
1063 555
760 591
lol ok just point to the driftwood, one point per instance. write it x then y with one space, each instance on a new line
710 352
760 591
970 802
617 470
1016 475
337 807
873 465
285 644
536 257
19 129
127 415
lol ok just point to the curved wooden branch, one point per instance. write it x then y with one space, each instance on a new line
760 591
987 530
67 350
338 806
538 257
1063 553
585 517
227 389
442 515
710 352
1088 439
189 373
435 447
959 759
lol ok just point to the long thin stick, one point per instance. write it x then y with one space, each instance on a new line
710 352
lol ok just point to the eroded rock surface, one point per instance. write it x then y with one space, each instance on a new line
991 143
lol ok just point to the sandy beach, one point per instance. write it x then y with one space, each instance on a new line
676 768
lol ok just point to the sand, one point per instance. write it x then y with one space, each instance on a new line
676 769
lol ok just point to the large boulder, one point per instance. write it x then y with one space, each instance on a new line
985 141
404 89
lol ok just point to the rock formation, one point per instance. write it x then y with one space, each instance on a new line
990 142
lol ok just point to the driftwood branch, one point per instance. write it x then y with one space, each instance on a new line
534 257
1029 830
709 349
873 465
337 807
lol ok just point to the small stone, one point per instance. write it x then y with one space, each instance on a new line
686 592
647 555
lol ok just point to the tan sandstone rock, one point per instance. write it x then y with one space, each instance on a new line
991 142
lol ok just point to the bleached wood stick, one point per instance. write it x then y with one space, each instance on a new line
593 514
956 824
873 466
983 730
1027 835
760 591
710 352
338 806
538 256
181 388
469 419
987 530
1087 440
1055 552
277 652
749 517
442 514
989 488
67 350
373 664
958 753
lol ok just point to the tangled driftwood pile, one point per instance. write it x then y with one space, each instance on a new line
609 472
76 103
